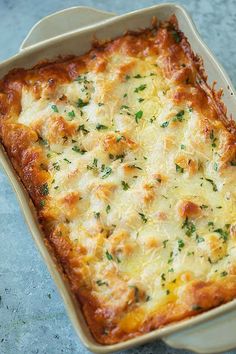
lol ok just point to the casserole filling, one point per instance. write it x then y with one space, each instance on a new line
130 161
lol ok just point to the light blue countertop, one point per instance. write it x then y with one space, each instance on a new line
32 315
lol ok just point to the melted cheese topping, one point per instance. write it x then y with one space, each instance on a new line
137 184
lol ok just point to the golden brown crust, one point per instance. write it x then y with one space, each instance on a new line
23 147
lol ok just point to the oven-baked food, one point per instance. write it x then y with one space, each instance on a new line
129 159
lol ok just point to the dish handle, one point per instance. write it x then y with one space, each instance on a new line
214 336
73 18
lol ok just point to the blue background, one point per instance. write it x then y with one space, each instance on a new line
32 315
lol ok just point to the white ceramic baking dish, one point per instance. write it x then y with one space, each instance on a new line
71 32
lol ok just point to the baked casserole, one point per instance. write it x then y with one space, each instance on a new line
130 161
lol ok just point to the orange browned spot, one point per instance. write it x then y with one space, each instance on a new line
161 215
152 243
124 69
189 209
104 191
59 128
116 145
169 142
149 193
160 178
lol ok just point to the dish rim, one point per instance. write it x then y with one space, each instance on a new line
73 310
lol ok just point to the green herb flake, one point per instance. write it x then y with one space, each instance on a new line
108 209
179 116
215 166
212 183
125 185
199 239
81 103
143 217
71 114
54 108
138 116
107 171
109 256
42 203
163 277
182 147
164 125
77 149
179 169
141 99
101 283
44 189
223 234
165 243
96 214
176 36
181 245
189 227
224 274
140 88
100 104
196 308
66 160
101 127
82 129
213 139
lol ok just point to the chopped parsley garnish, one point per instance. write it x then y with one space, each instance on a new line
233 163
127 77
44 189
109 256
143 217
141 99
42 203
165 243
179 117
215 166
108 209
179 169
196 308
213 138
100 104
176 36
96 214
81 103
125 185
66 160
119 138
124 107
77 149
182 147
106 172
100 282
199 239
140 88
181 245
223 234
71 114
138 116
212 183
223 274
135 166
82 129
203 206
136 292
54 108
189 227
125 95
163 277
164 125
138 76
56 166
101 127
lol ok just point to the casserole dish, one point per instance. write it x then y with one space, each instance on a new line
45 48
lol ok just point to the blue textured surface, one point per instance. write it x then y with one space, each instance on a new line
32 315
